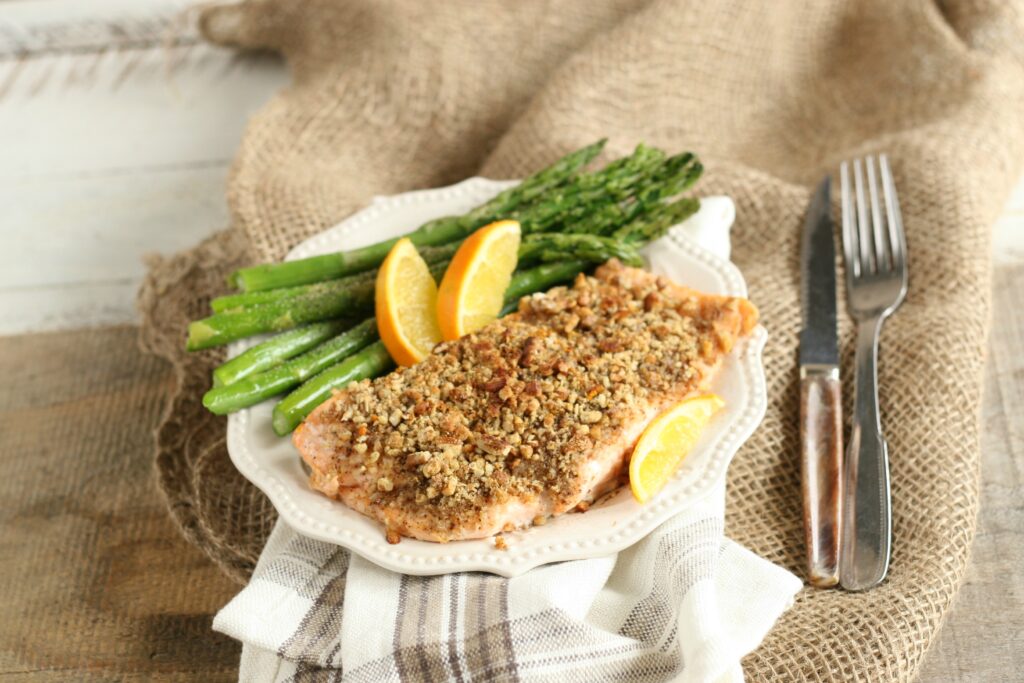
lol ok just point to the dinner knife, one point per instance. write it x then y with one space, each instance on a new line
821 423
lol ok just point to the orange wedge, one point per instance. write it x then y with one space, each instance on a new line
472 291
406 305
667 441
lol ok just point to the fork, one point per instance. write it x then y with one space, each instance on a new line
875 252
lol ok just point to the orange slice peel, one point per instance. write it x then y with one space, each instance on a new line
406 305
472 291
667 441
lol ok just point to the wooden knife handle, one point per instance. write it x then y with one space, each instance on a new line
821 467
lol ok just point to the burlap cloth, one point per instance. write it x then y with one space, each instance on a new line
392 95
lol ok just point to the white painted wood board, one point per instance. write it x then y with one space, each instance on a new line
117 128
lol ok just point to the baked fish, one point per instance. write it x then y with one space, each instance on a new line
534 415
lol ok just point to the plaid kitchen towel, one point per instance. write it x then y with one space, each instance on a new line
684 604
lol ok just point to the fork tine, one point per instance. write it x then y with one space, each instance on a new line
882 259
850 246
863 220
897 238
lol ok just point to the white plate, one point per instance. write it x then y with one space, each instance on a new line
273 464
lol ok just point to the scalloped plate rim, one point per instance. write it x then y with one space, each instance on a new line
352 531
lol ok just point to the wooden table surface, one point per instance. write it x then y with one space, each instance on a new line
115 143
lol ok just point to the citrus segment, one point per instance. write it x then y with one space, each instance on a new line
406 305
667 441
472 291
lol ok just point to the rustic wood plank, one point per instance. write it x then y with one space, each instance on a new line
97 584
983 638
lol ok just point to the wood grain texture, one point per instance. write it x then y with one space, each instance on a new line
95 582
821 468
982 640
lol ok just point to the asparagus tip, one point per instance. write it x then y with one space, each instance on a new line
210 402
199 335
283 425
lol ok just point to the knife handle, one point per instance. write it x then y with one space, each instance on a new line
821 466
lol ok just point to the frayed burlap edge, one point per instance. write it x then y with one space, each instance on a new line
167 301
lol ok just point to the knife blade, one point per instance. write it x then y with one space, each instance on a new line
821 440
818 345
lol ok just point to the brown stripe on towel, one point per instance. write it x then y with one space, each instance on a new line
486 645
320 625
420 615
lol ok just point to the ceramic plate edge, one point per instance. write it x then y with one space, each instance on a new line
747 353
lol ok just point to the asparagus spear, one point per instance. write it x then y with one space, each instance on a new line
586 206
321 301
553 246
328 301
534 248
234 302
275 350
674 176
543 277
613 183
347 297
653 224
374 360
256 388
438 231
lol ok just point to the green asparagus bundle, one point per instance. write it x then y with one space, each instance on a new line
313 303
436 232
281 309
261 386
552 247
276 350
373 361
543 202
571 221
673 177
656 222
327 300
431 255
615 182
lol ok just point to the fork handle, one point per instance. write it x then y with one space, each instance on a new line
867 517
821 459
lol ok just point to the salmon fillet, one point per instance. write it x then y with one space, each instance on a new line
534 415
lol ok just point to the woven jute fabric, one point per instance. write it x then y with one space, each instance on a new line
391 95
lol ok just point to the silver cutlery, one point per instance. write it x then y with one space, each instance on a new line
821 417
875 254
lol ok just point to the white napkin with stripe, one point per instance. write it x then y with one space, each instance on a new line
684 604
